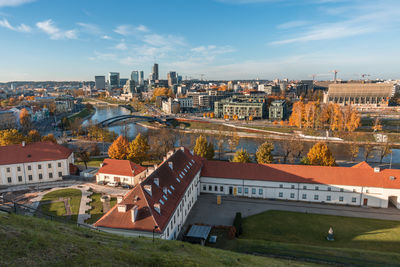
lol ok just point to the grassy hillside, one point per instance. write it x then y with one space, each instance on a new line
36 242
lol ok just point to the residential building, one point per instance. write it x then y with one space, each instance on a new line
100 82
155 75
161 203
278 110
241 106
185 102
120 171
141 78
113 80
170 106
34 163
135 76
172 78
7 119
360 94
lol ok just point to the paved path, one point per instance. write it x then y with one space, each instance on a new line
207 211
85 204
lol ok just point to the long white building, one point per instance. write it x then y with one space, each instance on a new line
162 202
34 163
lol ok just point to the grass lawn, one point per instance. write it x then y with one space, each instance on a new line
58 208
29 241
96 212
84 113
273 129
357 240
92 163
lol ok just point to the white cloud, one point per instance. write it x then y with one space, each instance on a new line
90 28
21 28
130 29
54 32
292 24
163 40
106 37
121 46
213 49
14 2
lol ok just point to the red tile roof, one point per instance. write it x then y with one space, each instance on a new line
121 167
359 175
147 216
35 152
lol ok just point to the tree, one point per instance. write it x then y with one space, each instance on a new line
384 150
10 137
201 146
353 150
84 156
234 141
210 151
220 141
33 136
368 151
241 156
320 155
377 125
119 148
50 137
138 149
264 153
25 119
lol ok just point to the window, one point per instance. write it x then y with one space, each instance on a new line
304 187
304 196
204 188
353 200
40 176
29 167
367 191
9 179
209 188
221 188
328 198
341 189
49 165
8 170
215 188
246 190
60 175
354 190
239 190
291 195
292 186
39 166
316 197
281 186
19 169
329 189
59 165
30 177
253 191
280 194
19 178
106 177
260 191
50 175
341 199
316 188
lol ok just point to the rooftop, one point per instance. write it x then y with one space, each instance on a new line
121 167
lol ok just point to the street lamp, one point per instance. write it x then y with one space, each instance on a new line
155 228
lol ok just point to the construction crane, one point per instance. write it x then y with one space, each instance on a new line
335 75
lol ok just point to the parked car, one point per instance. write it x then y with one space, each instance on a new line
127 186
113 184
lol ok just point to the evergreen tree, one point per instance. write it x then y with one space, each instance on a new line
138 149
241 156
119 148
319 155
264 153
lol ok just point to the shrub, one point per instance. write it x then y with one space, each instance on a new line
237 223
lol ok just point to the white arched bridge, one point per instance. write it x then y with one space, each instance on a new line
138 118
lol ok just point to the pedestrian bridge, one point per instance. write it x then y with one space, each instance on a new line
112 120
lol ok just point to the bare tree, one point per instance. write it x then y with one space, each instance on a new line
368 151
384 150
234 141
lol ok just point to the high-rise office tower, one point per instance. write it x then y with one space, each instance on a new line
113 80
100 82
172 78
135 76
141 77
155 72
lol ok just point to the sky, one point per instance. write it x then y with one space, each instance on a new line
220 39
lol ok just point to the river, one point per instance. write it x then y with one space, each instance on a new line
250 144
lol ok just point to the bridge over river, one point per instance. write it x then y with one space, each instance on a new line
138 118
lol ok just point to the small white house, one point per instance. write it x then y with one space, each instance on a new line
120 171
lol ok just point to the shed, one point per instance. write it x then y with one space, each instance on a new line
198 234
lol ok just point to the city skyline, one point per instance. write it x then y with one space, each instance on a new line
222 39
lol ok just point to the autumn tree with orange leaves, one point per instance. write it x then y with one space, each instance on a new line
119 148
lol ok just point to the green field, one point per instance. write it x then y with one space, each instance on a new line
58 208
92 163
84 113
357 240
29 241
96 212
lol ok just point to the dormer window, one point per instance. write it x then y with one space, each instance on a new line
162 202
178 180
165 197
173 188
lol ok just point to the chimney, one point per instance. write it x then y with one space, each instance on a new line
147 188
156 181
157 207
119 199
171 165
121 208
134 212
183 149
23 143
377 169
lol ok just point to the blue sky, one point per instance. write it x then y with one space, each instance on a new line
222 39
